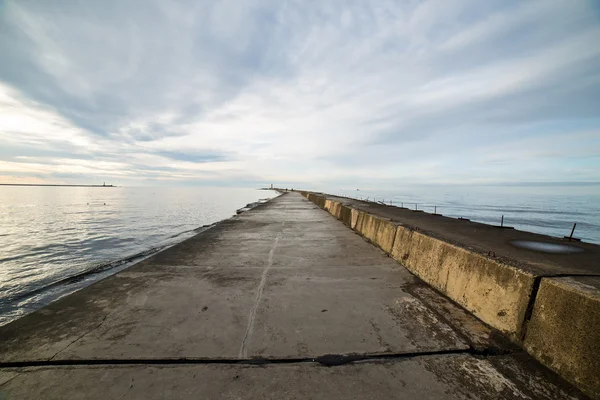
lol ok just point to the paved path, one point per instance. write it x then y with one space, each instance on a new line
280 302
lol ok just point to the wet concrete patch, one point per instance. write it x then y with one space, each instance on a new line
546 247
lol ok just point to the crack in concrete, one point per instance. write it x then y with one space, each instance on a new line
377 332
261 286
80 337
127 391
529 311
10 379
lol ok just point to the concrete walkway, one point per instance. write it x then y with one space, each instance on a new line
281 302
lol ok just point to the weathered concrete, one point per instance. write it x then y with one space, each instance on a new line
495 292
334 208
477 266
285 284
564 332
378 230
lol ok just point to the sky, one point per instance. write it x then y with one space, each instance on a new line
300 93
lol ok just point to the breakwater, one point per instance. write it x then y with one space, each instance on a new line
281 301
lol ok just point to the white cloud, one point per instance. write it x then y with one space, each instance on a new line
281 91
23 121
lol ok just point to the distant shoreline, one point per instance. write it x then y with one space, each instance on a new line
41 184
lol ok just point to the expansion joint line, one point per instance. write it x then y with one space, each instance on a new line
80 337
328 360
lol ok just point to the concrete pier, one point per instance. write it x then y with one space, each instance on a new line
282 302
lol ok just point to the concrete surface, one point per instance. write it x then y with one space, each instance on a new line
564 331
280 286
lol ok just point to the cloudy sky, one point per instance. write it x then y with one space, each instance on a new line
348 93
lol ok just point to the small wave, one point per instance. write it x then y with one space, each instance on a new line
83 275
195 230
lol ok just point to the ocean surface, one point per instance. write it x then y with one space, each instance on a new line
55 240
547 210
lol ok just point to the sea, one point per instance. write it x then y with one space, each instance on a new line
56 240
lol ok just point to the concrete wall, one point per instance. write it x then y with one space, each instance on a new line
379 231
496 293
334 208
559 324
564 330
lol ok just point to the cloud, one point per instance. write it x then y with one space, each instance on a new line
370 93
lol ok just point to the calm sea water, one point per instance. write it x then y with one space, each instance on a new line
54 240
549 211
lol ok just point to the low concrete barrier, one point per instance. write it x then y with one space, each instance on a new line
318 200
354 218
379 231
559 324
496 293
346 215
564 331
334 208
